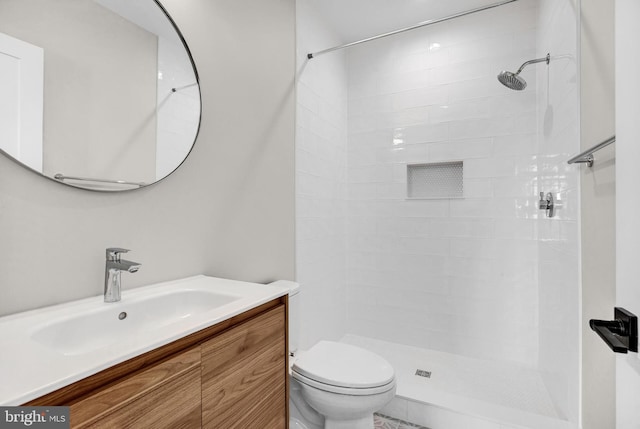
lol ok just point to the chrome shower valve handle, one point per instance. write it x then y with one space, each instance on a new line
547 204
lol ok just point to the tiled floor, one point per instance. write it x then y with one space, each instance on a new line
383 422
481 393
456 378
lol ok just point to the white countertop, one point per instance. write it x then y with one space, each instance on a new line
30 368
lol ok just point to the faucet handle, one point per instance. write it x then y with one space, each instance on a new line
113 253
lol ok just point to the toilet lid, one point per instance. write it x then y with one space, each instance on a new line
344 365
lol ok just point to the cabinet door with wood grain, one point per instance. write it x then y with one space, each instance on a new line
244 375
165 395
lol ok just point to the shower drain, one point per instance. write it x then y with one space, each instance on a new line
423 373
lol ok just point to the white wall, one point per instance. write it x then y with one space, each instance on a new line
321 159
627 86
559 242
458 275
597 111
228 211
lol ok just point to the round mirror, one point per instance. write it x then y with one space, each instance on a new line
96 94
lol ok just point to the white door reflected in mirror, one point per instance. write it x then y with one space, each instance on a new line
21 81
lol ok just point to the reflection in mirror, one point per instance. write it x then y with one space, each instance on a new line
101 94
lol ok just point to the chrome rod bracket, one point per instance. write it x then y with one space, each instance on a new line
588 159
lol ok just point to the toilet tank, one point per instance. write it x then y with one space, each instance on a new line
294 312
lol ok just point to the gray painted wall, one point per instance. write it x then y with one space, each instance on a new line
598 211
228 211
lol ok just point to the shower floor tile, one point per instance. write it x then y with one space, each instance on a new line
492 390
381 421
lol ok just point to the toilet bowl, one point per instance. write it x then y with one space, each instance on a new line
334 385
343 383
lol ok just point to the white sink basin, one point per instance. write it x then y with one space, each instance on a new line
113 322
52 347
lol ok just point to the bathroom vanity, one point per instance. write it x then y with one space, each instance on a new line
229 374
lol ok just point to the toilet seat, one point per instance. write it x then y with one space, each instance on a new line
343 390
343 368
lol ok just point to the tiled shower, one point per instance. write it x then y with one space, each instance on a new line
436 273
483 274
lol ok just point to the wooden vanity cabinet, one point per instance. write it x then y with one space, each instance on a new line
166 395
231 375
242 382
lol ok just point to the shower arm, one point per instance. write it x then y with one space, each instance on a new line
546 59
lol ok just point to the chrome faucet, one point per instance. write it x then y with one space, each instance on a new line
112 271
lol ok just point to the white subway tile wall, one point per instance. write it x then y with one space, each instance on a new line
321 180
458 275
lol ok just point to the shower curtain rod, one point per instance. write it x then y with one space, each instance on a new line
413 27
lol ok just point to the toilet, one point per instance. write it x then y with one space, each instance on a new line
333 385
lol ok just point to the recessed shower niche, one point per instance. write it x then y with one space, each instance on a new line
435 180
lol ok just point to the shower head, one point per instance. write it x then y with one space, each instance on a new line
514 80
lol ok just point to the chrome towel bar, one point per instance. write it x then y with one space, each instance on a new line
587 156
62 178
